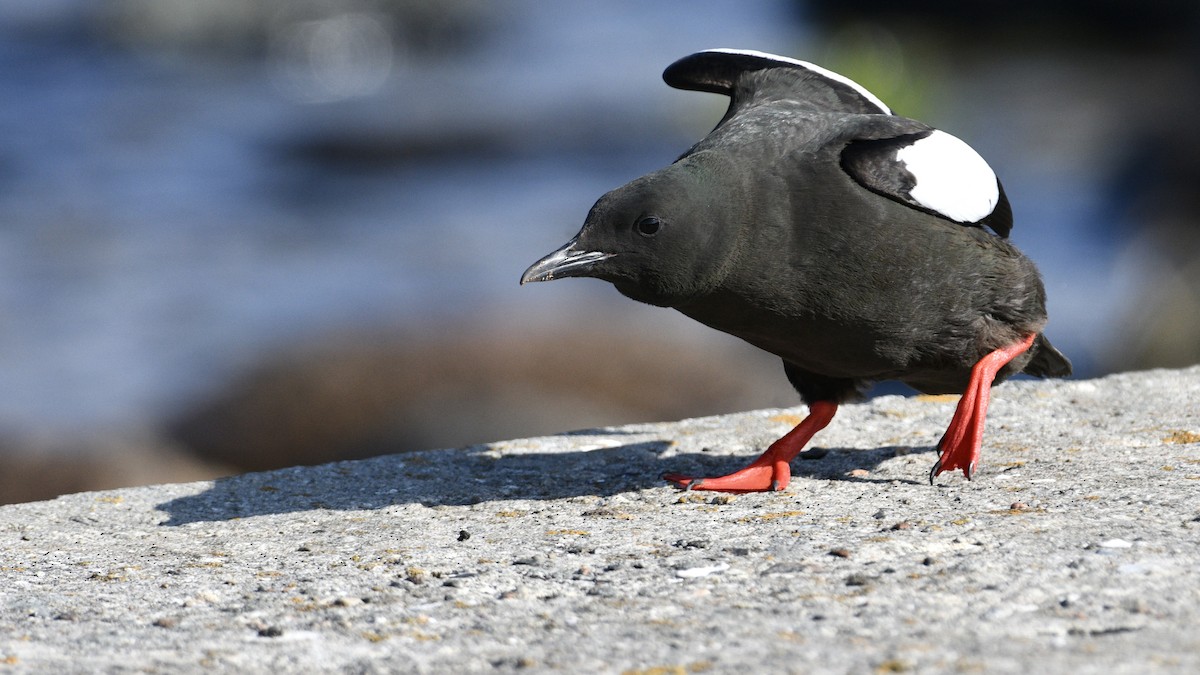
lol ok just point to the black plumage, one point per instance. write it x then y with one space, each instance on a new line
855 244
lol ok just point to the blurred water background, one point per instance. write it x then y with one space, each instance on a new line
239 234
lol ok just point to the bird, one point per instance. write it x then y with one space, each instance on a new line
855 244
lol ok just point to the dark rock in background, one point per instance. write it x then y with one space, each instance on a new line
359 395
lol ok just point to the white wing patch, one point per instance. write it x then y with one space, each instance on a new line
951 178
816 69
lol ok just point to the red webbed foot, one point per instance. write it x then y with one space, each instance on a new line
771 471
960 446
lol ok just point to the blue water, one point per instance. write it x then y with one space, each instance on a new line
163 222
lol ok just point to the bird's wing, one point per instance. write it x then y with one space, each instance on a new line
778 78
898 158
929 170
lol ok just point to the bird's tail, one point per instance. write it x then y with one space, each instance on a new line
1047 361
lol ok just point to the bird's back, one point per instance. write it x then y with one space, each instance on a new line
841 281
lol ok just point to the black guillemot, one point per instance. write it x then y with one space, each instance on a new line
855 244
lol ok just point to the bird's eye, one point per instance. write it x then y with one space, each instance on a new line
649 226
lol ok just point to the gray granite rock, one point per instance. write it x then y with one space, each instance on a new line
1075 549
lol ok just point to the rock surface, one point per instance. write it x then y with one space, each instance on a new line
1076 549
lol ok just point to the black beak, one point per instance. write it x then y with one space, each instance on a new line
567 261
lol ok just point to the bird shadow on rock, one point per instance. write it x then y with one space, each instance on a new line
818 463
479 474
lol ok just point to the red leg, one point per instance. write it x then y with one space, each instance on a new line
960 445
771 470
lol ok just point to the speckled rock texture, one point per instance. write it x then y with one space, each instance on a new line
1075 549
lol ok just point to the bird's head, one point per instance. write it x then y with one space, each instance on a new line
661 239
